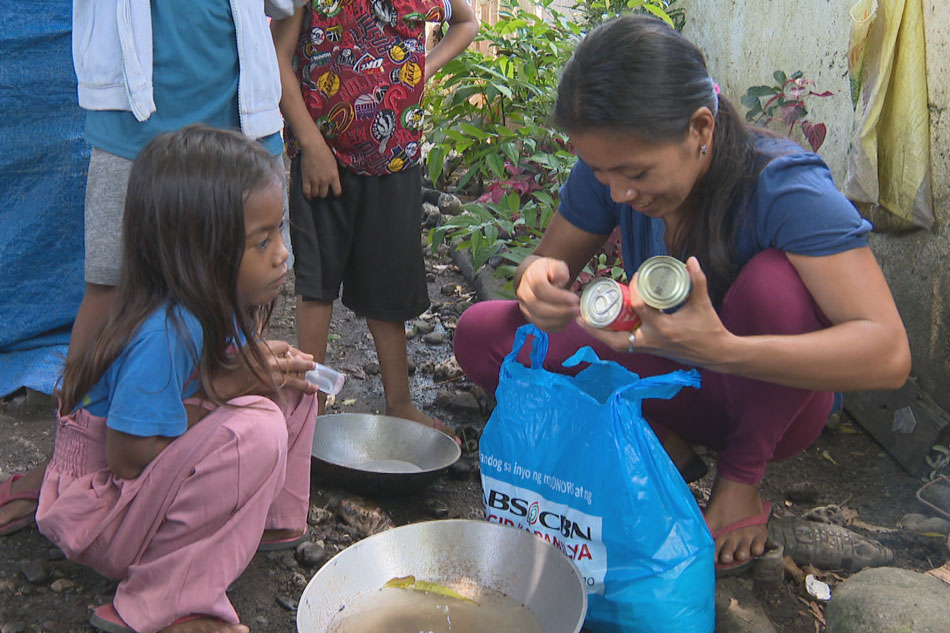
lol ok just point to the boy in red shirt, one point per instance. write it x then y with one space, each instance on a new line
352 75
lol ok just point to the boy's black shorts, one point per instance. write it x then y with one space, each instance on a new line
368 240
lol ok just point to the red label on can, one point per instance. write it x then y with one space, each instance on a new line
627 320
606 304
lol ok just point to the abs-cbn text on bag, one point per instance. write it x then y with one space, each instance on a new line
575 533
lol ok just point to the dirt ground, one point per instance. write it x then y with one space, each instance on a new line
40 591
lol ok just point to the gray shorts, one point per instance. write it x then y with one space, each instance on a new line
105 200
106 185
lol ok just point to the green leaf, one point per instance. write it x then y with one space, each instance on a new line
434 163
763 91
436 237
511 151
529 214
513 203
658 12
750 101
474 131
456 136
503 89
544 197
466 177
780 77
497 165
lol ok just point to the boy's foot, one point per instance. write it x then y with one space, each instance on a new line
18 499
735 504
412 413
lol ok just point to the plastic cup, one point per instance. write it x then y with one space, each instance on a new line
327 380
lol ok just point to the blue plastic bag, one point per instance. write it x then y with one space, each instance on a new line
572 460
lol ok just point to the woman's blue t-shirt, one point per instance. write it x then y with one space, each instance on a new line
142 391
794 207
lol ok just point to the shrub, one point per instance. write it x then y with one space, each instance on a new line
783 103
489 132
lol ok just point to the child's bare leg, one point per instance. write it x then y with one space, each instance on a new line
313 331
390 339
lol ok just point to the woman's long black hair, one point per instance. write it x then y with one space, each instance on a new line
183 240
636 75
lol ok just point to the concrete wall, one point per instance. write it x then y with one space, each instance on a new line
746 40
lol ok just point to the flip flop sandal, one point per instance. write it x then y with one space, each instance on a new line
106 618
6 496
735 568
291 542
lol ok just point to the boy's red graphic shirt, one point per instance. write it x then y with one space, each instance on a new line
361 68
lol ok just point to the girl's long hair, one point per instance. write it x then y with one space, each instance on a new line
636 75
183 240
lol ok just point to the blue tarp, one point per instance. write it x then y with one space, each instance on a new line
43 161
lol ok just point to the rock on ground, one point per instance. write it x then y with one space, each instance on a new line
889 600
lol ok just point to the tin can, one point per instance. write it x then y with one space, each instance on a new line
605 303
663 283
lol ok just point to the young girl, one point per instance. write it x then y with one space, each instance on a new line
184 440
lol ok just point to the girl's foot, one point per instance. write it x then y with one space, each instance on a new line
203 624
24 490
106 618
730 503
281 539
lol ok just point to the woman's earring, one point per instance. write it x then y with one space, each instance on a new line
703 150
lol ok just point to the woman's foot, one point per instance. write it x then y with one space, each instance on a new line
732 503
19 512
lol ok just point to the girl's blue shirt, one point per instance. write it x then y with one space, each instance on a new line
794 207
142 392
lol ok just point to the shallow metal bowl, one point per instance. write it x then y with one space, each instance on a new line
380 454
459 554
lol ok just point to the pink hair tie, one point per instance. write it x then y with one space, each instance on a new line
716 88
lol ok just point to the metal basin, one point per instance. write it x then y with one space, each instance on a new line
380 455
457 554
